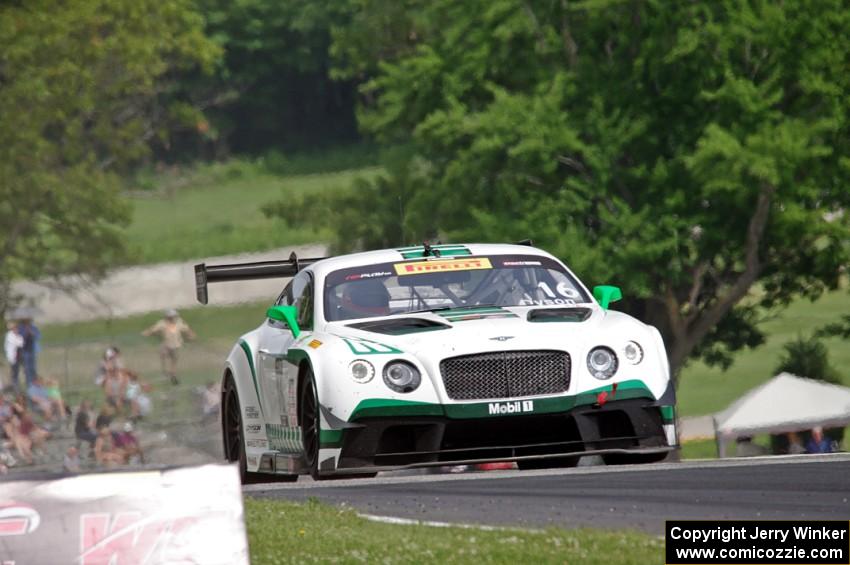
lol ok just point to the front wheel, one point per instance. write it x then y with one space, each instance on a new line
234 439
308 410
234 446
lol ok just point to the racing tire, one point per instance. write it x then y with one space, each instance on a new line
308 410
308 413
549 463
233 438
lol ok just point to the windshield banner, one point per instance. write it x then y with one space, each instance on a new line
187 515
442 265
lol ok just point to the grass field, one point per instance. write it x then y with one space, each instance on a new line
285 532
215 210
699 449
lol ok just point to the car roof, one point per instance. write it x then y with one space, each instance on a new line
447 251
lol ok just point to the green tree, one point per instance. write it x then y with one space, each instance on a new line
342 213
85 88
689 151
809 358
836 329
273 89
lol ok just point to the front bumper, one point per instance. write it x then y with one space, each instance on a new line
634 426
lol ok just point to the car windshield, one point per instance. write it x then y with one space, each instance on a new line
422 285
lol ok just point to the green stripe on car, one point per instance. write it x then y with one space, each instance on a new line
330 438
444 251
377 408
284 438
247 349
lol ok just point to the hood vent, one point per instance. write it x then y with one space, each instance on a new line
400 326
559 315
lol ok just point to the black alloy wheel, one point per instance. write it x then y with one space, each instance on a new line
308 409
309 412
234 446
234 440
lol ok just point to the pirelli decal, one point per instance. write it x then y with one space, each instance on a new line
438 266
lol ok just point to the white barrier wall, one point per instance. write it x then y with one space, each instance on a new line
185 515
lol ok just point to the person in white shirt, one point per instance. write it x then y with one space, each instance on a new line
13 344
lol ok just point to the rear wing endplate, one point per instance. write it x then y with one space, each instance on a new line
205 274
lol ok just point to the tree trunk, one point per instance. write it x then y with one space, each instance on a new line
691 322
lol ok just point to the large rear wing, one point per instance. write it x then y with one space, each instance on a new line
205 274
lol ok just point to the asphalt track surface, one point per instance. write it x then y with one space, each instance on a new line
634 497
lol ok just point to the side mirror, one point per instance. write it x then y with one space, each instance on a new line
605 295
286 314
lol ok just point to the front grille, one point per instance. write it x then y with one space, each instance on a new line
506 374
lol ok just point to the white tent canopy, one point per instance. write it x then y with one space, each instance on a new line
785 403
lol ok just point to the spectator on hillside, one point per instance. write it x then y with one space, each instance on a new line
114 387
29 351
818 443
71 462
20 441
109 365
6 443
27 427
84 429
54 394
171 330
128 443
134 394
105 417
39 394
38 435
10 424
13 344
105 452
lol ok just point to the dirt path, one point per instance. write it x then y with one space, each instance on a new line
136 290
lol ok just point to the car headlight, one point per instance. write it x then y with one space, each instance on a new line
361 370
633 352
401 376
602 363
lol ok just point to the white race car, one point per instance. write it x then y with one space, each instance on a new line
439 355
